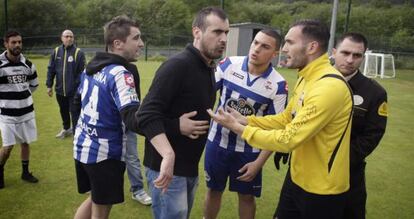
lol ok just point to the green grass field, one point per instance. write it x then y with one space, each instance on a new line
390 170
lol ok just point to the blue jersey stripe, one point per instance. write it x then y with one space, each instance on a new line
281 88
232 138
245 92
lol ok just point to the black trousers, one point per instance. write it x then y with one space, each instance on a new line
296 203
357 194
68 112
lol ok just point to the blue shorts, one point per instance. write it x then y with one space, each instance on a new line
220 164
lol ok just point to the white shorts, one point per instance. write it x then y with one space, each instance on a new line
17 133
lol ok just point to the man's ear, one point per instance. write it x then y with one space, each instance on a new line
313 47
196 33
333 52
117 44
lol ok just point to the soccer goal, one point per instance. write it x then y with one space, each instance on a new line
379 65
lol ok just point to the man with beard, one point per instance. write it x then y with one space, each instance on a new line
250 85
174 120
18 79
369 119
314 127
109 102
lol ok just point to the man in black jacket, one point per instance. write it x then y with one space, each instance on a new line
183 88
369 118
66 64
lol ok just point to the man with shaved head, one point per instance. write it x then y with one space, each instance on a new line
66 64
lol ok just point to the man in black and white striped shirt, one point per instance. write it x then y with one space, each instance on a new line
18 79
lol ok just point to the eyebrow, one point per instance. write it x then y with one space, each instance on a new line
352 53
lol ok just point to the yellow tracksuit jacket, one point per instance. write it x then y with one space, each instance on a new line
311 127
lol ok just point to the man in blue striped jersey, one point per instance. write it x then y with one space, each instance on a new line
18 79
251 86
108 105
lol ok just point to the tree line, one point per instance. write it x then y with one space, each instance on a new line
388 24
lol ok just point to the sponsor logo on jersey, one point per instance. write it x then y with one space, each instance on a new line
129 80
88 130
268 85
241 105
237 75
383 109
16 79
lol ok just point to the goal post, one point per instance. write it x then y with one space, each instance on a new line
379 65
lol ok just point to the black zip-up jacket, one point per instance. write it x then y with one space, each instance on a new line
66 64
103 59
182 84
368 122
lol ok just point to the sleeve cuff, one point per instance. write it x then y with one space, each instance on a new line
153 129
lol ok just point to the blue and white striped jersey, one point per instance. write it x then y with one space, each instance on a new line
17 82
249 95
100 132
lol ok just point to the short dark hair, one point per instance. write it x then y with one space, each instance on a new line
200 19
354 37
275 35
118 28
315 30
10 33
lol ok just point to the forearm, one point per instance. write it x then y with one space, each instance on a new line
267 122
262 158
162 145
267 139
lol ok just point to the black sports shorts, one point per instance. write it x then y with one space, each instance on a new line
105 180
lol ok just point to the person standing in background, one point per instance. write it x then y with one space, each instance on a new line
369 118
66 64
18 80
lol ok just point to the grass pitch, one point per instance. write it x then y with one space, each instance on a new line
390 170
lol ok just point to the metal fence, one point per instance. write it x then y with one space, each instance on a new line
160 45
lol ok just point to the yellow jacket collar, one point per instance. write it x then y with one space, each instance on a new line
313 69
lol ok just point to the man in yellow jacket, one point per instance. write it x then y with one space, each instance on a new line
314 127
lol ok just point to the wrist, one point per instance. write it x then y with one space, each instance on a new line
239 128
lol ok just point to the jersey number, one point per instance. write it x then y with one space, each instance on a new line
91 106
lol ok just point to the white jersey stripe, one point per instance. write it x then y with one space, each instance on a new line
103 149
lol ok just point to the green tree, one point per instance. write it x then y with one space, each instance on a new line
161 19
35 17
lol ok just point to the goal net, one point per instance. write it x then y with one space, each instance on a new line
379 65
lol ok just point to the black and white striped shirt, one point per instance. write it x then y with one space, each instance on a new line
17 82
